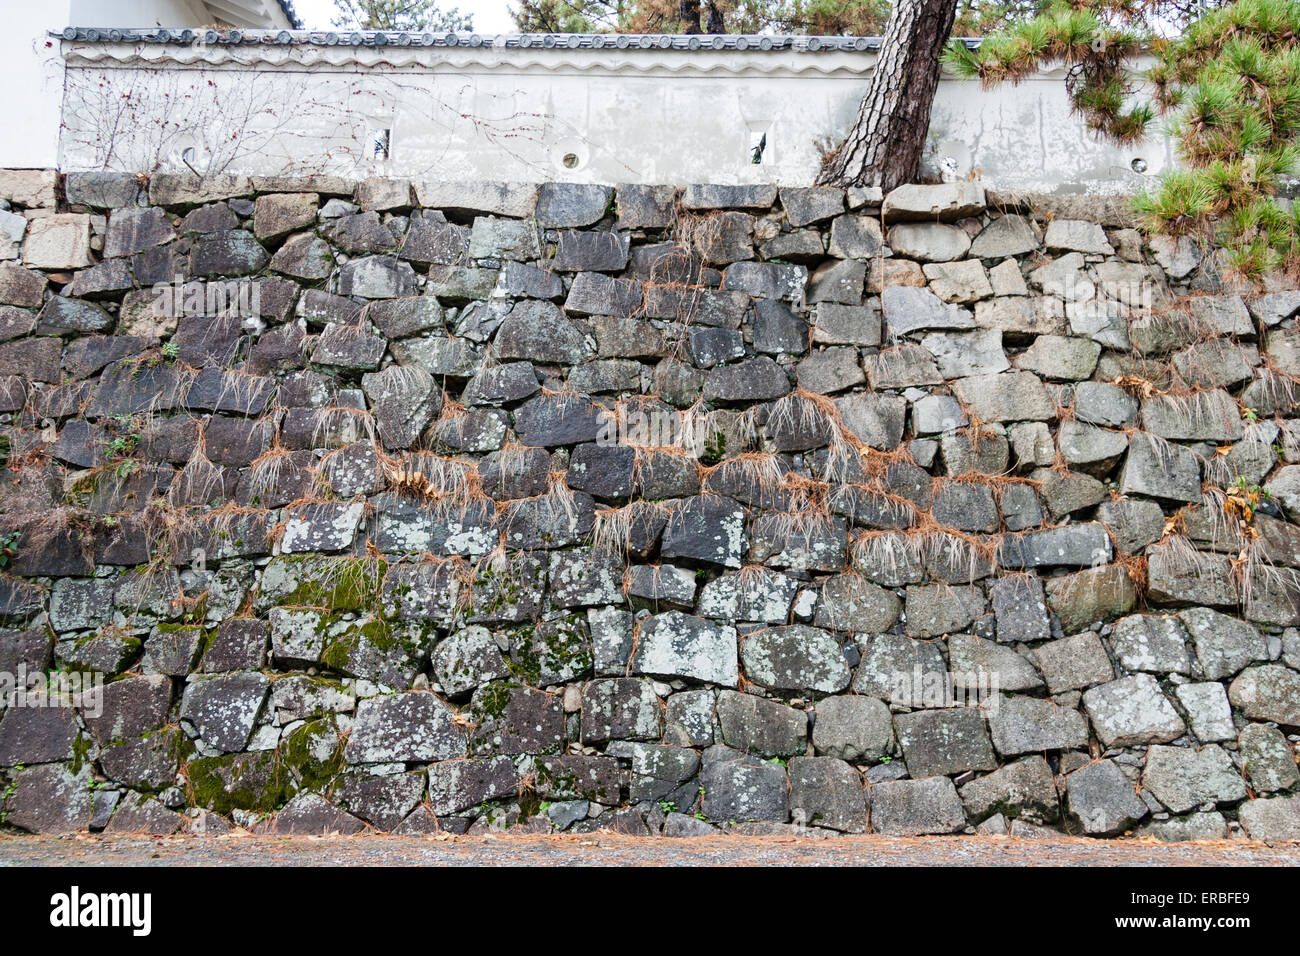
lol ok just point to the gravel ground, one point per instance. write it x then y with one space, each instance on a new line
611 850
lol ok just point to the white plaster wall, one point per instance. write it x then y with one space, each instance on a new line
31 74
512 114
31 68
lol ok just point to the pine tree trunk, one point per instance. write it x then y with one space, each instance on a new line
717 24
689 12
885 145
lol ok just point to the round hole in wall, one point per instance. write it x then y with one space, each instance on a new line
1139 164
569 155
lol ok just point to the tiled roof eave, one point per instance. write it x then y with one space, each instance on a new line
536 41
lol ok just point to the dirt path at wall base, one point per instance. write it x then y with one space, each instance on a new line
613 850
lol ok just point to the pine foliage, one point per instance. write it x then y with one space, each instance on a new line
412 15
1227 83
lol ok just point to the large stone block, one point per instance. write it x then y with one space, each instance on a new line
853 728
1277 819
223 709
755 725
1132 711
404 728
742 788
1022 725
674 644
1025 789
945 202
1268 692
916 807
826 792
942 742
1182 778
795 658
1102 799
61 241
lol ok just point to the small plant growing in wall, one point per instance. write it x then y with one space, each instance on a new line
8 793
1244 500
715 448
9 547
126 438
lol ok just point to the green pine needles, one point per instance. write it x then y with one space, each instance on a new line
1228 83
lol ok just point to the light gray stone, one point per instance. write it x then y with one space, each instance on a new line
980 665
1208 711
404 728
837 324
877 420
1268 759
1104 404
929 241
1182 778
1008 235
1193 826
674 644
1160 469
795 658
853 728
962 354
961 282
941 742
1102 800
1224 644
224 709
903 671
830 370
908 309
1132 711
1273 819
1268 692
1024 725
1076 235
1006 397
937 413
945 202
1061 358
849 602
1073 663
1151 642
1021 790
916 807
805 206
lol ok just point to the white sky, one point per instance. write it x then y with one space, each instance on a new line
490 16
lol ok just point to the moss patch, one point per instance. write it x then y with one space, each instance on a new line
313 754
248 781
551 652
341 584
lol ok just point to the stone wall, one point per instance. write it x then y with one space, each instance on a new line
662 510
